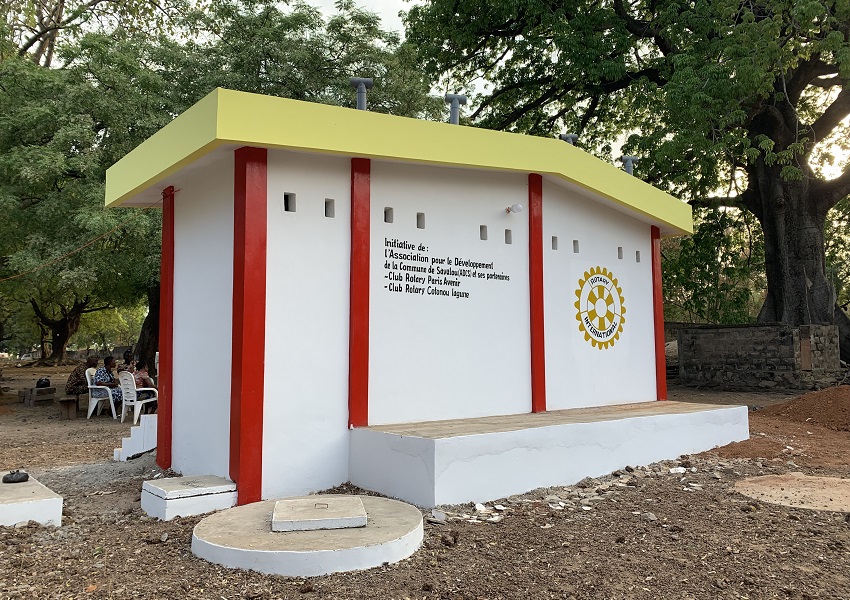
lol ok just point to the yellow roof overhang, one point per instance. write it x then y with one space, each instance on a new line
229 118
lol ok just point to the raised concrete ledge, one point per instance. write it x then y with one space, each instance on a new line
242 538
479 465
173 497
29 501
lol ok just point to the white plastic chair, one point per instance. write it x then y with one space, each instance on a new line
98 394
130 395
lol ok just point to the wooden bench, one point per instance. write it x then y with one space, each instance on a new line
68 408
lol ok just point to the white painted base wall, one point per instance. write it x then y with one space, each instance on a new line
142 439
453 470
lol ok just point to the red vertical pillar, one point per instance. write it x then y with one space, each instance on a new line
249 322
535 278
658 309
358 341
166 333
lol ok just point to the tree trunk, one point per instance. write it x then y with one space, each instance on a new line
798 292
61 328
149 337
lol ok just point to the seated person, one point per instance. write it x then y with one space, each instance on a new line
103 376
77 383
143 380
127 365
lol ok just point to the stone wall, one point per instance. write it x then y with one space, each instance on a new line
759 356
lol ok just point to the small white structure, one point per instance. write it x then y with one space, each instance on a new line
29 501
173 497
338 269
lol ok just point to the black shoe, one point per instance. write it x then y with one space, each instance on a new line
15 477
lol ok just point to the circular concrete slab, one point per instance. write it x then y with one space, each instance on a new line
799 491
242 538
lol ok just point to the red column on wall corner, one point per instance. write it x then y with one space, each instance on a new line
166 334
658 306
249 322
358 341
535 278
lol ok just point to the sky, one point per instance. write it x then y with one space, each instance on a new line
387 9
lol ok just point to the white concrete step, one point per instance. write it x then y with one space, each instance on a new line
186 496
142 439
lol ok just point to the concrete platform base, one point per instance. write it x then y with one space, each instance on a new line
166 499
242 538
465 460
29 501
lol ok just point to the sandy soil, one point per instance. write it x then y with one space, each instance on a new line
641 532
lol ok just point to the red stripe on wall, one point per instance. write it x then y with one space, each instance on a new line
535 279
658 306
249 322
358 341
166 333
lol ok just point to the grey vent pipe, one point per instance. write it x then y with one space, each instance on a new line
570 138
455 100
629 163
361 84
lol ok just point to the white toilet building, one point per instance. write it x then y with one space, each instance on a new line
409 305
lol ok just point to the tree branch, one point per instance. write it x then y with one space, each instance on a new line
831 117
643 29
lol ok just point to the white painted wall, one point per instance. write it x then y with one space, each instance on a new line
203 308
435 357
305 418
577 374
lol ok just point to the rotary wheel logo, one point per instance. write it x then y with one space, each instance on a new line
600 307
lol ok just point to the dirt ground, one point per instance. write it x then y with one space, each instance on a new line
641 532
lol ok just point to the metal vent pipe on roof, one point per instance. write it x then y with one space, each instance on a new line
629 163
361 84
570 138
455 100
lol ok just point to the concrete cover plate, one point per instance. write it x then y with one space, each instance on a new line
799 491
310 514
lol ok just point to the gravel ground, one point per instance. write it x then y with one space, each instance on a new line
641 532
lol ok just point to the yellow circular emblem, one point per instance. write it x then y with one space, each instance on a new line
600 307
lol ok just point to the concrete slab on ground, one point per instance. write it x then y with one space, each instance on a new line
29 501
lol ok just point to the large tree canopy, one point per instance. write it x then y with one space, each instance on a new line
730 103
62 127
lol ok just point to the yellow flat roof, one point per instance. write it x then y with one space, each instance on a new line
229 118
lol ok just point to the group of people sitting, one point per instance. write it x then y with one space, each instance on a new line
104 376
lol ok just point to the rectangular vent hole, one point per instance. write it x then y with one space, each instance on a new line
329 208
483 232
575 246
554 242
637 255
420 220
388 215
509 238
288 202
620 252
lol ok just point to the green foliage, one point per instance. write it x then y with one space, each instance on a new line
709 276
